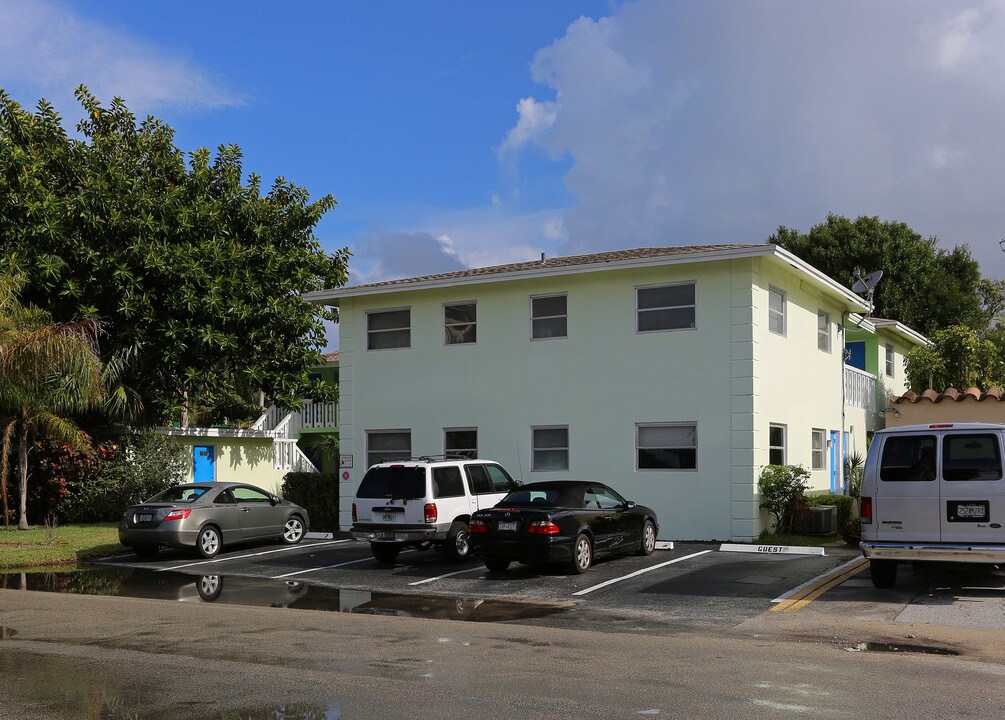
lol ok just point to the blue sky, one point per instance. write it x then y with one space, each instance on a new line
461 134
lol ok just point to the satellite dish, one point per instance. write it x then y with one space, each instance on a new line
868 283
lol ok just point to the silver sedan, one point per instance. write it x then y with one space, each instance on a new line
207 515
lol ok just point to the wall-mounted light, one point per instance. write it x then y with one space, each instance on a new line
895 411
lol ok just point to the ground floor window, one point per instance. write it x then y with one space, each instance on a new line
776 445
666 446
819 449
387 445
549 448
460 442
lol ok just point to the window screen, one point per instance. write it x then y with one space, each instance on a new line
667 447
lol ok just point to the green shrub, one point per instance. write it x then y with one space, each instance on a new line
781 488
318 493
845 505
127 471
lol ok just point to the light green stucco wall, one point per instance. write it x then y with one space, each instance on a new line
247 460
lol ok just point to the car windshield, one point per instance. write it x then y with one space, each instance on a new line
179 494
546 497
394 482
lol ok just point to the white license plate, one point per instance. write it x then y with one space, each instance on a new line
144 518
974 510
390 516
507 526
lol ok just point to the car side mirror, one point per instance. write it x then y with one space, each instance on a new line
273 500
630 504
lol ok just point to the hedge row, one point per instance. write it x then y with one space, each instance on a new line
318 492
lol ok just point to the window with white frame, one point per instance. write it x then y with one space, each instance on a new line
460 442
818 449
889 360
666 446
460 323
387 445
667 307
549 317
823 331
549 448
776 311
776 444
388 329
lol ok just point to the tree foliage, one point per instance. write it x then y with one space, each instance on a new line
923 286
49 373
957 358
196 277
781 487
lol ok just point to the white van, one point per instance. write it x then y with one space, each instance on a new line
933 492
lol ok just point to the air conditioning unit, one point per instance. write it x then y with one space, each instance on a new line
823 520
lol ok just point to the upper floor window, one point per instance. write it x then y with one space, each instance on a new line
387 329
667 307
670 446
823 331
460 442
889 360
776 311
776 445
549 317
549 448
459 323
819 449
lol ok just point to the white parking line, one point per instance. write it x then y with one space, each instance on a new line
328 567
440 577
640 572
241 557
793 591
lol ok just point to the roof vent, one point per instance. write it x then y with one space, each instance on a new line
542 258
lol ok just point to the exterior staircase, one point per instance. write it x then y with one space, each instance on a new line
285 425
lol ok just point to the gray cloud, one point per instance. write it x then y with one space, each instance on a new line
702 122
389 256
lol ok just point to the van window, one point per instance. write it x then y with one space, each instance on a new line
908 458
971 457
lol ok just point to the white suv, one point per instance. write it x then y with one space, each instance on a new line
425 503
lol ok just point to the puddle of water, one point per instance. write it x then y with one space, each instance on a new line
7 633
138 583
901 648
70 688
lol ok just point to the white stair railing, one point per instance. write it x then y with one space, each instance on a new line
289 457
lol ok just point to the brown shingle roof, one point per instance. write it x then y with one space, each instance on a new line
557 262
951 394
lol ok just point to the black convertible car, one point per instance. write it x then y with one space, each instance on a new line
561 521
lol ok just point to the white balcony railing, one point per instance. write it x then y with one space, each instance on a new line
859 388
318 414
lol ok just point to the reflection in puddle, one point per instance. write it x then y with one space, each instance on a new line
70 688
138 583
899 648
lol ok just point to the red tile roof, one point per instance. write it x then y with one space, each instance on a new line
952 394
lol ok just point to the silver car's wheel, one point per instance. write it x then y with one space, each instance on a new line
209 542
210 587
648 538
293 531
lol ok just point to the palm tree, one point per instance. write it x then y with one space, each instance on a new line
48 373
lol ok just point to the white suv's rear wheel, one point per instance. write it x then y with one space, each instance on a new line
386 553
458 542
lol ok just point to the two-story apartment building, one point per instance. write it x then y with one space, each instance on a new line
675 374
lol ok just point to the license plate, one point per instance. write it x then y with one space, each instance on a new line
507 526
973 511
144 518
390 516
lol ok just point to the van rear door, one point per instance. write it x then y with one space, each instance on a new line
906 504
972 487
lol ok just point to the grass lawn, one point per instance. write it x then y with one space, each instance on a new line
64 545
833 540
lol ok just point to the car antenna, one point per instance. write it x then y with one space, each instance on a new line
519 462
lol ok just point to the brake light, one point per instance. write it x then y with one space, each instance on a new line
354 512
865 510
477 526
939 425
543 527
429 511
178 514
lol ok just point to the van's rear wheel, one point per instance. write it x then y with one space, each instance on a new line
386 553
883 573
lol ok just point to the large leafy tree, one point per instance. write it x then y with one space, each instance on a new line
957 358
195 275
49 372
925 287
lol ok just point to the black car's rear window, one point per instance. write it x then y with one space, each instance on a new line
179 494
397 482
544 497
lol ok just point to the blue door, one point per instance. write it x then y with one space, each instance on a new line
835 463
204 467
856 354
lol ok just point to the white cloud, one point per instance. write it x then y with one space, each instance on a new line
692 122
47 50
